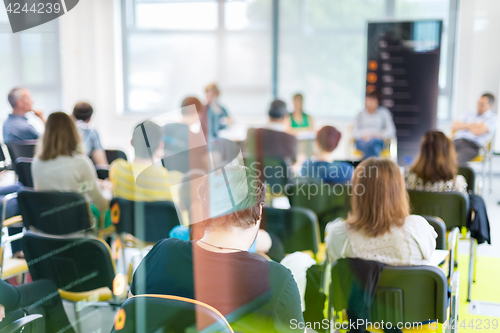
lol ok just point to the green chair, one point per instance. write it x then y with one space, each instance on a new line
405 294
440 228
274 171
469 175
453 209
297 228
327 201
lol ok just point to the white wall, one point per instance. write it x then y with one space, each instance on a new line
89 70
88 64
477 65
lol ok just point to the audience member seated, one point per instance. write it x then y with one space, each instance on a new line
321 166
298 120
379 226
142 180
61 165
82 112
272 141
475 130
185 146
218 118
218 269
16 127
372 126
39 297
436 168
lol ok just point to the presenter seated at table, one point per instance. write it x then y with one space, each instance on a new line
475 130
436 167
298 120
379 226
321 166
372 126
272 140
218 117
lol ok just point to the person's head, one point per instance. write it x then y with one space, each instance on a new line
212 93
277 111
328 138
298 101
379 200
149 132
437 159
20 100
485 103
83 111
372 101
61 137
247 192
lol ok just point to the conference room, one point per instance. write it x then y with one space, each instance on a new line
249 166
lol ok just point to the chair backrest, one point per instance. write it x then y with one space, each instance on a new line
23 171
297 228
327 201
56 213
148 221
21 149
75 264
451 207
440 228
404 294
469 175
164 313
112 155
274 171
2 155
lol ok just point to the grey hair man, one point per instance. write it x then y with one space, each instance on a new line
16 127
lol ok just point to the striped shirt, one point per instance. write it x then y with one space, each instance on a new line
151 183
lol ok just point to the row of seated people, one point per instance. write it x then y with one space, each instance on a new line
217 269
60 129
364 234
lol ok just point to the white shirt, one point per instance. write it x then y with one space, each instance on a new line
489 118
278 127
69 174
379 122
412 244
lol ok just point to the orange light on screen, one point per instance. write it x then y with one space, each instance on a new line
370 88
372 65
371 77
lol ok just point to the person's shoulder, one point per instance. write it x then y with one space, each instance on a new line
171 245
416 224
120 163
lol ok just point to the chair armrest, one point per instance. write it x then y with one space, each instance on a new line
452 247
454 303
5 200
16 325
12 220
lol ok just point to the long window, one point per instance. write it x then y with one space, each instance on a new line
255 48
30 59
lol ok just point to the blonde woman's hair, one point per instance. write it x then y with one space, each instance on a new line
379 200
213 87
61 137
